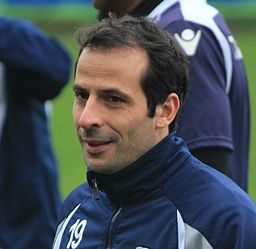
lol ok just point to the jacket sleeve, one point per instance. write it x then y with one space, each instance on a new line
36 64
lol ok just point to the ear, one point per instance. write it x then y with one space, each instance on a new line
167 111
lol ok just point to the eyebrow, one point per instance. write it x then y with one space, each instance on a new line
77 88
116 91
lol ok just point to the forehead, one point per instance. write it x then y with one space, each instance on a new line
113 66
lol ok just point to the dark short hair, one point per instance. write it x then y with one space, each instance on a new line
168 67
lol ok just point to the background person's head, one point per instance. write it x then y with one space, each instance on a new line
119 7
130 79
102 7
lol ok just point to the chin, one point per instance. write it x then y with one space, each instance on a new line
97 167
102 169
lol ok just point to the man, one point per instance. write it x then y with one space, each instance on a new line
215 120
33 68
145 188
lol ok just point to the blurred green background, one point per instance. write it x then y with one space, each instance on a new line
62 20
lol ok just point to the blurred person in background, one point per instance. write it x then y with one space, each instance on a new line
215 119
33 69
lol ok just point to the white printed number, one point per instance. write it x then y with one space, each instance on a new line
76 236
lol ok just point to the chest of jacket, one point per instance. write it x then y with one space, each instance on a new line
99 224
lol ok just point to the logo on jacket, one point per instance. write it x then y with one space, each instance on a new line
142 247
189 40
76 230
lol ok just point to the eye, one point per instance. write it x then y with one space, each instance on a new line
81 95
115 100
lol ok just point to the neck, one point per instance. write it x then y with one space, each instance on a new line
124 7
133 5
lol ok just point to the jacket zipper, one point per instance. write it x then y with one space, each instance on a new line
114 217
111 225
96 195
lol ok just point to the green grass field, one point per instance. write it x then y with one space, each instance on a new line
62 21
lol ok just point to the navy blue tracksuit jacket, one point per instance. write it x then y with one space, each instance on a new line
167 199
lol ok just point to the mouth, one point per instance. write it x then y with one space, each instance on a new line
96 146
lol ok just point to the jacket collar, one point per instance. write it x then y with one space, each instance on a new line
144 175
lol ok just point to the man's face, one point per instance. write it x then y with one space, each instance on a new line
110 108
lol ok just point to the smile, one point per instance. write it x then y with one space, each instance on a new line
96 146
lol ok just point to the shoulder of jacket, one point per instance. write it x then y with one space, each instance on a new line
78 195
213 205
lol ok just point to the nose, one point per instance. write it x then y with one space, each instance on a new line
91 114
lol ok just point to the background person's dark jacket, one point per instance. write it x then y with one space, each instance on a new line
35 68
